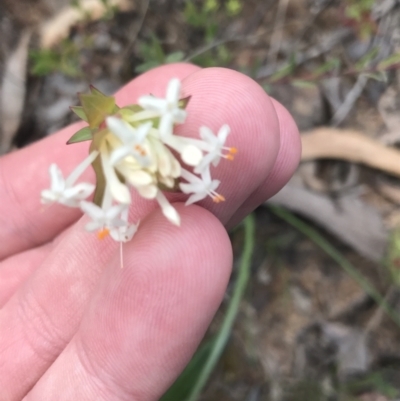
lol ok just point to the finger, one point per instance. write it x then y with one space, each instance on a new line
23 174
238 100
145 321
15 270
286 163
77 262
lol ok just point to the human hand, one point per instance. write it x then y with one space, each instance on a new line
73 325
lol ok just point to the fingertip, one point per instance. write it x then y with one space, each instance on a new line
222 96
155 80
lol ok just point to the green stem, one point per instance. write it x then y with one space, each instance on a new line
338 258
229 319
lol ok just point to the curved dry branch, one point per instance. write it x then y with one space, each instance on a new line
350 145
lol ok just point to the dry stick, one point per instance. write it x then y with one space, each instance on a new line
350 145
276 39
58 27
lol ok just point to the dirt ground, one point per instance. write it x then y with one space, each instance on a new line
306 329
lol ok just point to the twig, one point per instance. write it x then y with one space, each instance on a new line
351 145
276 38
355 92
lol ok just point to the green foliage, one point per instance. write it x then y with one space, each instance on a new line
84 134
218 56
64 59
109 9
193 379
233 7
204 17
358 13
153 55
375 381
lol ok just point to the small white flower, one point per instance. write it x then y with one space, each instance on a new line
63 191
125 232
215 147
103 219
168 109
132 140
200 187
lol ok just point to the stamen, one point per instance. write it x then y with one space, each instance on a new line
140 150
103 233
218 198
229 157
233 151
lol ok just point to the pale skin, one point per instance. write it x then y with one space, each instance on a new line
73 324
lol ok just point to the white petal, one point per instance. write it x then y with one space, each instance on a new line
166 125
118 154
57 179
119 191
192 155
168 210
148 191
195 198
93 226
191 188
206 161
48 196
121 129
79 192
173 90
139 178
223 133
92 210
207 135
143 131
179 115
153 103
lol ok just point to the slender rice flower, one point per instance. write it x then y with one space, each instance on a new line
134 148
200 188
215 147
168 109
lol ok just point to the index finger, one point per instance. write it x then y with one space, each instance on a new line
219 96
24 223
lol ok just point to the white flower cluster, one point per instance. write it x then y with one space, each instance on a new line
135 148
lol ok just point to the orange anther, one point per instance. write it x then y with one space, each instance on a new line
218 198
230 157
140 150
103 233
233 151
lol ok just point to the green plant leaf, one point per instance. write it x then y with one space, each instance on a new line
184 102
78 110
84 134
392 60
182 387
97 107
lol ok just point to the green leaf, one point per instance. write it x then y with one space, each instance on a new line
182 387
175 57
300 83
84 134
95 91
184 102
389 62
97 107
78 110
